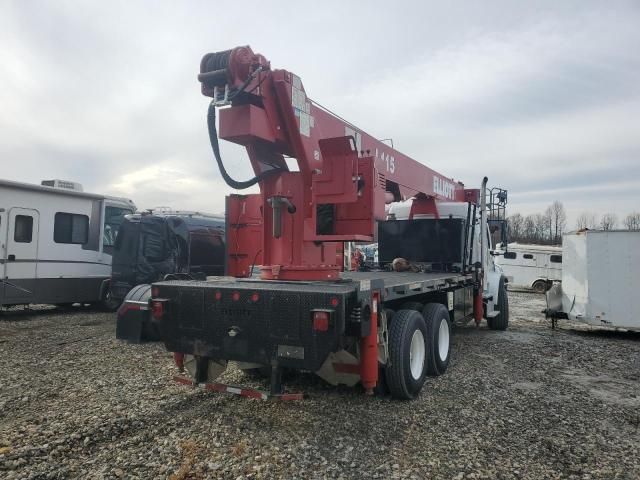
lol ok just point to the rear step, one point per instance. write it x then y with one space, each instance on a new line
240 390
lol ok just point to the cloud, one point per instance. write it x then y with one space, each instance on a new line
544 99
550 105
165 185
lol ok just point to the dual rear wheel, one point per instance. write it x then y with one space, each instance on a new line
419 345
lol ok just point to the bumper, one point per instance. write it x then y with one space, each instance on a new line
253 322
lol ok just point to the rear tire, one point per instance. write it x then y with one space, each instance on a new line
389 314
108 303
501 321
436 316
540 286
408 349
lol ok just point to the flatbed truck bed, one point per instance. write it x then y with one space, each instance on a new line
397 284
270 322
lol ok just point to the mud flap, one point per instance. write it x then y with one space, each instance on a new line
131 319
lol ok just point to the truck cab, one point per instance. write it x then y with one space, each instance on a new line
481 246
151 246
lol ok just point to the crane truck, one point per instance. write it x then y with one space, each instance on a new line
285 301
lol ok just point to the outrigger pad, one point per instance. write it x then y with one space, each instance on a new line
240 390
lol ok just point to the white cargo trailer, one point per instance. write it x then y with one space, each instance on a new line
599 279
56 242
533 267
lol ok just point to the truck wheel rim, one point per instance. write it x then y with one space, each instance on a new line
443 340
417 354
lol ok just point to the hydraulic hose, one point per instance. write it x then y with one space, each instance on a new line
213 138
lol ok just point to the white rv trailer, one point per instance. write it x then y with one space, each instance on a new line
599 279
56 242
531 266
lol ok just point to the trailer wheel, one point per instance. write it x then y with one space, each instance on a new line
540 286
408 349
108 303
436 316
501 321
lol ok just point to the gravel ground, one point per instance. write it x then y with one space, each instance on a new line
526 403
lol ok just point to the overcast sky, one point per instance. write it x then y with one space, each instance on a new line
542 97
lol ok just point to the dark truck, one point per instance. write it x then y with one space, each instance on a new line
162 245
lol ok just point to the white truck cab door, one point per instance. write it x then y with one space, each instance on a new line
21 252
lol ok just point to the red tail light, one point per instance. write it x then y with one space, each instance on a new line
334 301
157 309
218 295
235 296
321 321
255 297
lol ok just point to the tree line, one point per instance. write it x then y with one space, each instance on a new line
547 228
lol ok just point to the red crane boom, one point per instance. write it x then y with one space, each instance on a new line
345 176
